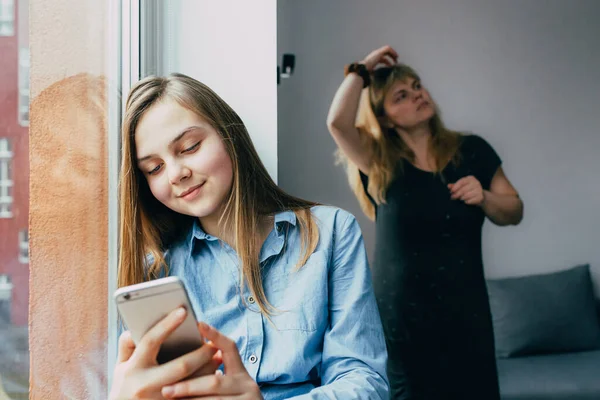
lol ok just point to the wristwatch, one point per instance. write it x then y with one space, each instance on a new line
360 70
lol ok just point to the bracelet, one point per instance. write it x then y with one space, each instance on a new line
360 70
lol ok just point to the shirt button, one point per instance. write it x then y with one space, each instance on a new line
251 300
253 359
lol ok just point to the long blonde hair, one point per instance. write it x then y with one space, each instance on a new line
148 227
385 146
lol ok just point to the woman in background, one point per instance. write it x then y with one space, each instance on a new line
429 190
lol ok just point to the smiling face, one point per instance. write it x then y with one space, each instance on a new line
183 159
408 104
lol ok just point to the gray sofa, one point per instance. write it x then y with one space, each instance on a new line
573 376
547 334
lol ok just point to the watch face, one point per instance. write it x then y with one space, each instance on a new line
357 68
354 67
361 70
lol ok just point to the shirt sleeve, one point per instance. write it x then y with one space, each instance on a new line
354 351
485 161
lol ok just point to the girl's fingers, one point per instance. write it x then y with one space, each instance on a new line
231 357
149 346
183 367
126 347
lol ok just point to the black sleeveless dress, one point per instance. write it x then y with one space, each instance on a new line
429 282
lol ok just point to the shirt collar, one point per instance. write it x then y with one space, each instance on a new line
285 216
197 233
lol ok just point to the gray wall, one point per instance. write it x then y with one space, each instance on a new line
523 74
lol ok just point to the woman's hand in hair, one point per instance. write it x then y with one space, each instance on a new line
234 383
383 55
469 190
137 375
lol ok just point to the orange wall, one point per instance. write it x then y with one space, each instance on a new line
68 200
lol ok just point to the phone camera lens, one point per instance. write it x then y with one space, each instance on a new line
127 296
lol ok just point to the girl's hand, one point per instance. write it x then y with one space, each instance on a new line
137 375
383 55
236 383
469 190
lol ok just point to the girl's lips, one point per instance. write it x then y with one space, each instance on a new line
192 192
424 104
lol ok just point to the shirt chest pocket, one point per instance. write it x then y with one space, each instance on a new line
300 297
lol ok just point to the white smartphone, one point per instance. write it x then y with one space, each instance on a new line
142 305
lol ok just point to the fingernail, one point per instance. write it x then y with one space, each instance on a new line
205 326
180 312
168 391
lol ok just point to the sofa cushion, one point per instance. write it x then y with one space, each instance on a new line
568 376
544 313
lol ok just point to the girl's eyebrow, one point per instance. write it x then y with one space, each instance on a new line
175 140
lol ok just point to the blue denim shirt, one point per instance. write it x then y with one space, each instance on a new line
327 343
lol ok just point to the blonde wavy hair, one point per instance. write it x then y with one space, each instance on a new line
384 144
148 227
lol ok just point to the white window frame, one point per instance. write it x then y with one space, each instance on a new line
24 246
123 66
23 103
6 183
7 17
